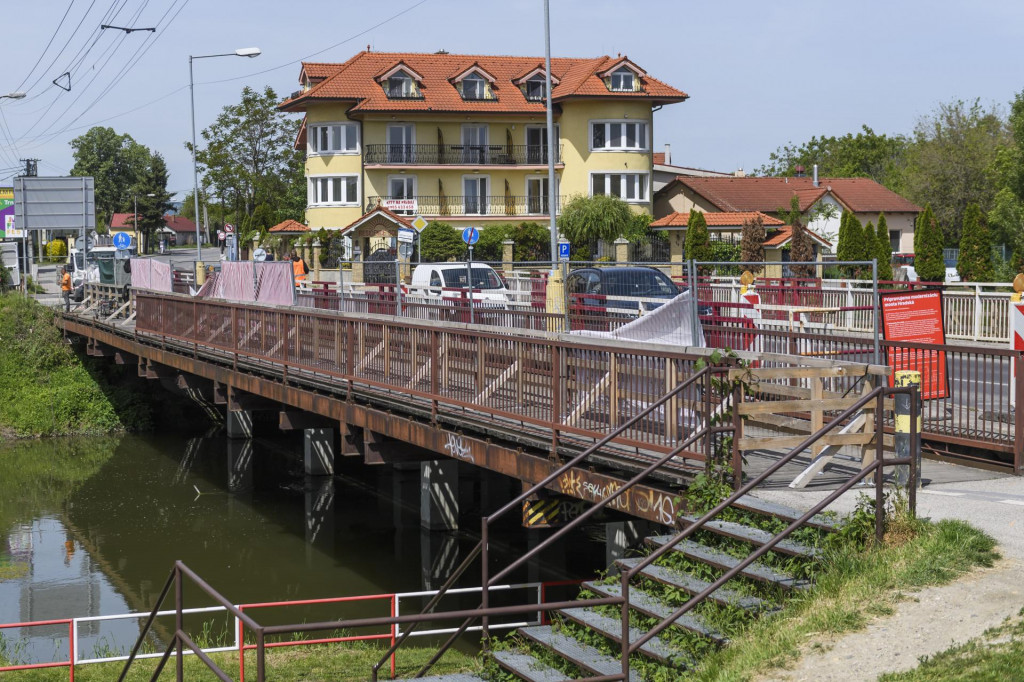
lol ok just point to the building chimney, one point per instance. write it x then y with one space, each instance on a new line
815 175
798 172
668 154
739 173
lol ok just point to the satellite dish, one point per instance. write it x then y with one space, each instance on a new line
259 255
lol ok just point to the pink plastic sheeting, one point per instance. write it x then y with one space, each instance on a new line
148 273
275 283
236 282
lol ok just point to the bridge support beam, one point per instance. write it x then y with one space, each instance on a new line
620 536
239 424
439 495
318 451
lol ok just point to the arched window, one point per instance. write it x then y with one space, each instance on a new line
623 80
399 85
473 87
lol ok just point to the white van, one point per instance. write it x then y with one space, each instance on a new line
449 280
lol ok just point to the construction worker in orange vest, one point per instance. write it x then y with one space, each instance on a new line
65 289
299 269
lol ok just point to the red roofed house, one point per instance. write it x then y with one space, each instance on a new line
865 197
181 230
462 138
124 222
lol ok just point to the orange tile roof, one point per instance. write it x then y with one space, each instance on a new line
782 235
723 219
394 217
860 195
289 227
122 221
179 223
354 81
659 158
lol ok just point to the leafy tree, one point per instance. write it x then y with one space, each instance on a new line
439 241
489 247
1006 218
249 157
952 162
883 249
975 262
152 208
698 243
532 242
752 242
866 154
117 163
601 216
928 261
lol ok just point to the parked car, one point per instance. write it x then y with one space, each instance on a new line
622 288
449 280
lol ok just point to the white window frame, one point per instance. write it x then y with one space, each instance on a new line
313 139
475 78
644 144
314 187
402 74
403 176
619 72
540 179
484 198
534 79
645 199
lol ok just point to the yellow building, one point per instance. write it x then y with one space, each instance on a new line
463 138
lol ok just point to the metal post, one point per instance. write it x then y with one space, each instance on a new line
398 288
135 223
179 623
552 194
565 294
903 431
874 308
195 167
469 282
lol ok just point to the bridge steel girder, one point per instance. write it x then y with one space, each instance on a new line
642 501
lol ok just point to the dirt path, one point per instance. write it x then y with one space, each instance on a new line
926 623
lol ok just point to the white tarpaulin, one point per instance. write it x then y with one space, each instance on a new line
236 282
674 324
148 273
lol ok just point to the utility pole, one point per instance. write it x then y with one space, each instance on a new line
31 168
31 171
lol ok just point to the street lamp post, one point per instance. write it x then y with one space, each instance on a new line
242 52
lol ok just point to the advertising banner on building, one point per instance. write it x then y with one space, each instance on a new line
915 317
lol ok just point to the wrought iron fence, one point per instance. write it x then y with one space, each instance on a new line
458 154
473 204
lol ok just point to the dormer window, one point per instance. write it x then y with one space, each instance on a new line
535 88
473 87
400 85
623 80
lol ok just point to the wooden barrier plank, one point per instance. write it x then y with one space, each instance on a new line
787 442
798 405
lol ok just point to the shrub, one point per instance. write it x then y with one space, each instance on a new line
439 241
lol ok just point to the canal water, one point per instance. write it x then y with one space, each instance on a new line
90 527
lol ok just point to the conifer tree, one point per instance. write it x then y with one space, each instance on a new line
928 248
801 248
883 249
698 243
975 262
752 242
843 242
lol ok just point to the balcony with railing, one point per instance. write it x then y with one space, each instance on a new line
471 205
458 155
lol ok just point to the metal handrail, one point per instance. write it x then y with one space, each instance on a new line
875 467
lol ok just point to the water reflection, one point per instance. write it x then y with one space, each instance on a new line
92 527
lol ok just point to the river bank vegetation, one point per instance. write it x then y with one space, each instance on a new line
47 389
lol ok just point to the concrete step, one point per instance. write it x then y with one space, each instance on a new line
653 607
756 504
755 536
579 654
527 667
612 629
713 557
691 585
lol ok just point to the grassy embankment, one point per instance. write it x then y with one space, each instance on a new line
46 389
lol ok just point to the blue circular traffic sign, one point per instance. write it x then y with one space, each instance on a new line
471 235
122 240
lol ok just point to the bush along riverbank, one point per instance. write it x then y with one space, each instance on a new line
47 389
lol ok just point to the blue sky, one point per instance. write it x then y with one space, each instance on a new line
759 73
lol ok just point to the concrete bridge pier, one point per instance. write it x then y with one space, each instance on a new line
319 494
318 451
439 495
620 536
239 423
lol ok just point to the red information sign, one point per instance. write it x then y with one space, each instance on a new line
916 317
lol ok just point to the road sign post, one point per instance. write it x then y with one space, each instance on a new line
470 235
